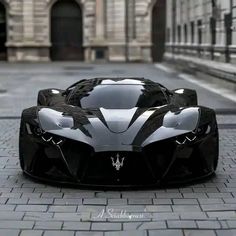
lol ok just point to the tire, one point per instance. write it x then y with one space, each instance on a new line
21 158
216 160
216 163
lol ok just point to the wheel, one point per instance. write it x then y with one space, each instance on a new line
217 154
21 159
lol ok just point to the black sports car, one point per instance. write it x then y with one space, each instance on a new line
118 132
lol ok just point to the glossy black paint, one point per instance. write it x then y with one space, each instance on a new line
163 137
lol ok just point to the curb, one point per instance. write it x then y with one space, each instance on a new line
208 73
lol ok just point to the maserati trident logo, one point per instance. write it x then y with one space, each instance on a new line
117 163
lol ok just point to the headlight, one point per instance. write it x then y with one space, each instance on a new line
56 140
186 138
52 138
200 132
46 137
203 130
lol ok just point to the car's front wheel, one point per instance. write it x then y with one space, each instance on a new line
217 154
21 159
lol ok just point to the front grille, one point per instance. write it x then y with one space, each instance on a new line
135 169
160 155
139 168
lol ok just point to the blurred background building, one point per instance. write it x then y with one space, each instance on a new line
202 29
82 30
117 30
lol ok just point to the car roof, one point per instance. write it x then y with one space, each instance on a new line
118 81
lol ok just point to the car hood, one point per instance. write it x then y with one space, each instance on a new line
111 129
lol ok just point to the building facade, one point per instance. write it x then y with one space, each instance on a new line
202 28
83 30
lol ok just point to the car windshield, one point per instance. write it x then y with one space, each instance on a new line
118 96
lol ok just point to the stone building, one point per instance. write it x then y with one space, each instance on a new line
201 28
83 30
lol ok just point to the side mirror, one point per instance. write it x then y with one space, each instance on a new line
68 90
187 95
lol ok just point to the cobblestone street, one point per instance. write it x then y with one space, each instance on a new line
33 208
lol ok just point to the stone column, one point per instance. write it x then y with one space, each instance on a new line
100 20
234 24
131 20
28 20
233 46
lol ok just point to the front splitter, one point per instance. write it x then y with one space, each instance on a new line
160 184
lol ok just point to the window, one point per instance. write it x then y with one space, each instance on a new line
199 24
179 33
228 28
118 96
192 32
213 30
100 54
185 33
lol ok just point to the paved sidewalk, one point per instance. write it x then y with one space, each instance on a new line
228 67
223 71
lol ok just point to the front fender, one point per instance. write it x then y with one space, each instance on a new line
176 123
